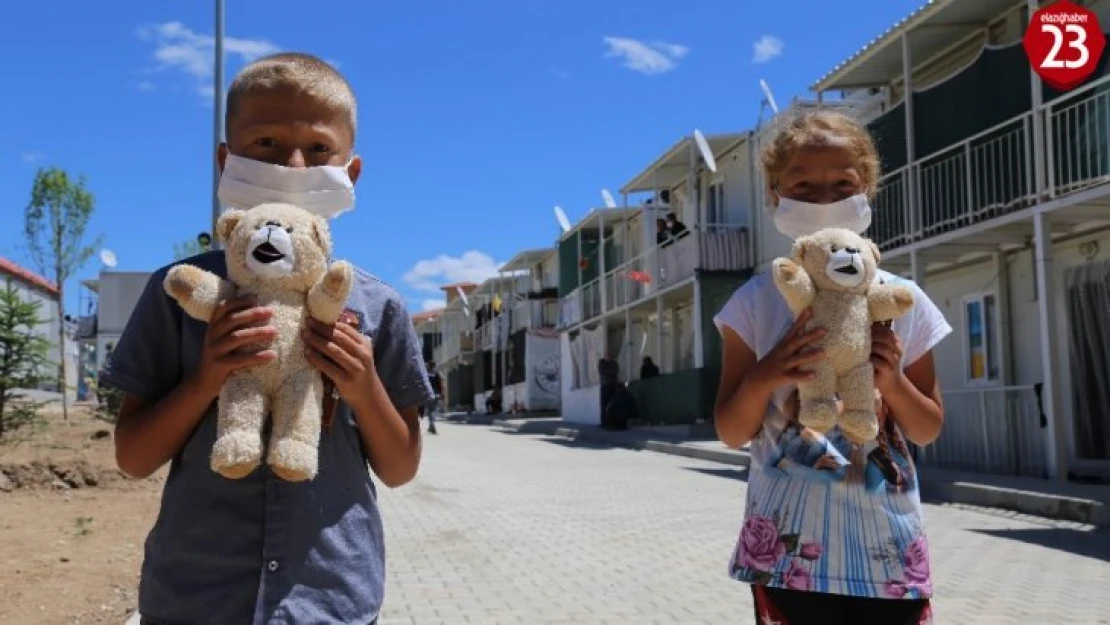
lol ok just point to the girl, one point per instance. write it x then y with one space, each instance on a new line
827 546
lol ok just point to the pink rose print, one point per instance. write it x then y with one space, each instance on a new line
810 551
760 547
796 577
895 590
916 562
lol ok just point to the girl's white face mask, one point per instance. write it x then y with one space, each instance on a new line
797 219
326 191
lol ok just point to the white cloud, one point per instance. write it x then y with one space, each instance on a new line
431 304
178 48
766 48
31 157
656 57
146 85
430 274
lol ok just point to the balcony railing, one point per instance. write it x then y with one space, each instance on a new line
993 172
454 344
724 247
992 430
533 314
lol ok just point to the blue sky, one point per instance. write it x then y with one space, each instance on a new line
475 117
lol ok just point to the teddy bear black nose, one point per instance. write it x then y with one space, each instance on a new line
273 223
852 250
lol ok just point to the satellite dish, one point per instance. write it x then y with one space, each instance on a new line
608 199
643 344
561 216
465 301
108 257
706 153
769 97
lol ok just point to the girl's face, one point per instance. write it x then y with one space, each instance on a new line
820 175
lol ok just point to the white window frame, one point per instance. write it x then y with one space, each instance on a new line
716 203
992 335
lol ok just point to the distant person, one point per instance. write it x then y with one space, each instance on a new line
648 369
433 405
676 228
856 514
260 549
662 233
609 372
493 402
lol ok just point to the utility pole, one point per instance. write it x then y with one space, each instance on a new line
218 113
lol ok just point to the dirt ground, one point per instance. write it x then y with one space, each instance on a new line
71 526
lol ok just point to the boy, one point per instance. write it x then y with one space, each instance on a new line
261 550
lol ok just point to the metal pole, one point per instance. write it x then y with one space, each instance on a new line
218 115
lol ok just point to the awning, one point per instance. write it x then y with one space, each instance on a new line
610 215
527 259
934 27
670 169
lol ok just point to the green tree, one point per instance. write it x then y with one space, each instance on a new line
55 223
185 249
23 359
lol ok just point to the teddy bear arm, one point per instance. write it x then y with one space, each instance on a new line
328 296
197 291
795 285
889 301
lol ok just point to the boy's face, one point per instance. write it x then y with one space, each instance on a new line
289 129
820 175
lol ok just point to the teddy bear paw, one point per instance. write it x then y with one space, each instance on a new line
235 455
859 426
337 281
293 460
818 415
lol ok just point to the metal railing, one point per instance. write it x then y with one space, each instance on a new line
998 430
993 172
537 313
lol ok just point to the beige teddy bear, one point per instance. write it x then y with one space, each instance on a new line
280 254
833 273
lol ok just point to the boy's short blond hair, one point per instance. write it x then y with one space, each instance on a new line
822 128
299 72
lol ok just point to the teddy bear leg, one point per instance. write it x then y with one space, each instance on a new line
858 421
294 448
817 401
242 412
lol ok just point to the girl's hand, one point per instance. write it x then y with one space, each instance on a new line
886 357
787 363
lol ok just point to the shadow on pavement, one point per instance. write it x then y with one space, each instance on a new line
737 473
1087 543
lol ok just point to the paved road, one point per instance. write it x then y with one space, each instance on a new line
510 528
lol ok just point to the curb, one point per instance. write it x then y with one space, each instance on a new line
1051 506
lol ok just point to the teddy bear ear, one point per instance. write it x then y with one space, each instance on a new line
227 223
322 234
874 251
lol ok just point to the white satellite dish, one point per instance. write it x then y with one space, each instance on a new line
643 344
706 153
108 257
465 301
608 199
561 216
769 97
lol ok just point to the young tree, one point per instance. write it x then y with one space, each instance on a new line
54 223
23 359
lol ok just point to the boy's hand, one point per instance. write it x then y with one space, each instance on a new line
236 323
343 354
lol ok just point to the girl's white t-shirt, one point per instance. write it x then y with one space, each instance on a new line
823 514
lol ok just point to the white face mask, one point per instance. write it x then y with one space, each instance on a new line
326 190
798 219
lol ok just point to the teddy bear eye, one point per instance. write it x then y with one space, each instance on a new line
833 249
289 229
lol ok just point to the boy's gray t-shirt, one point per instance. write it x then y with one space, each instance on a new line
309 552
